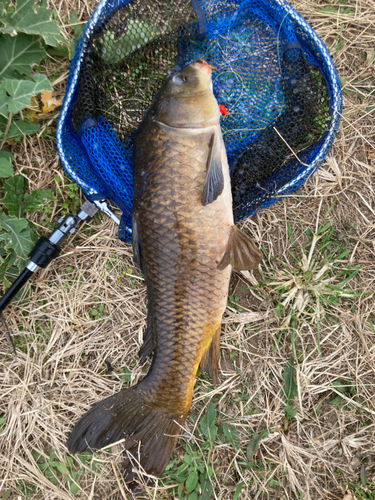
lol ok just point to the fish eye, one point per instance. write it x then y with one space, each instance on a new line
179 79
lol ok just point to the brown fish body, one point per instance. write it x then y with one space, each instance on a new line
186 244
182 243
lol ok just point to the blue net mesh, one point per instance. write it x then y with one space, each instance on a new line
274 76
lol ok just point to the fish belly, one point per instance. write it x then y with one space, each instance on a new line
181 243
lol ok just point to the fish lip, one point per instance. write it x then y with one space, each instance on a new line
205 63
203 66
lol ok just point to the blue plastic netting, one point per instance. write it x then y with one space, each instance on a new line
274 76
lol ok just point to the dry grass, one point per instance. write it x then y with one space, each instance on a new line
61 370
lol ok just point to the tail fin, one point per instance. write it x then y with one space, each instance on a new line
150 433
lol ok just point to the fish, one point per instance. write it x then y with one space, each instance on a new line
186 244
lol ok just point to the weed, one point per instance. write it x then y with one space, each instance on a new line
18 237
364 492
97 313
129 272
233 302
25 30
193 474
67 472
72 199
253 446
26 489
315 281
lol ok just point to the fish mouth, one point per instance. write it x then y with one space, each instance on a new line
204 67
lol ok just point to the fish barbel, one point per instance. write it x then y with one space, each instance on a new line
186 244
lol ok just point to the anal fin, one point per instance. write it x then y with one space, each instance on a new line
241 253
149 341
210 359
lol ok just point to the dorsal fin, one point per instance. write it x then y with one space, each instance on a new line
241 252
214 183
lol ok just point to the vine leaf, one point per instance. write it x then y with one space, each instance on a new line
17 129
32 19
20 91
17 235
18 54
6 167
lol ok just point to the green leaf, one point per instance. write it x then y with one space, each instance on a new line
12 202
207 425
253 446
18 128
290 386
18 236
335 401
289 411
363 475
33 19
206 488
238 491
18 54
62 468
16 185
7 156
6 494
339 385
181 469
4 273
4 99
34 200
230 434
6 168
21 91
77 26
14 189
192 481
74 488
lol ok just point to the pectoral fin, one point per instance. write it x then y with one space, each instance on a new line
214 183
241 252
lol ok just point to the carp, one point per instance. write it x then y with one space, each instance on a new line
186 244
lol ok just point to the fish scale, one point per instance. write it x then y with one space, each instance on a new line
181 247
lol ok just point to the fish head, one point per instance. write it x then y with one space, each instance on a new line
186 99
